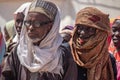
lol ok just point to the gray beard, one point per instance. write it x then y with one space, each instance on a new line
37 39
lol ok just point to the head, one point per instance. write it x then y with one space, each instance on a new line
40 37
40 20
84 33
89 22
9 30
89 40
66 33
116 32
19 15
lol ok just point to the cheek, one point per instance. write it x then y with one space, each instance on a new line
41 32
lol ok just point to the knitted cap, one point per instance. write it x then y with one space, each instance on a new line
44 7
93 17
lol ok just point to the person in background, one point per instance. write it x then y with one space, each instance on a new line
9 32
90 47
2 49
39 54
66 33
114 47
13 28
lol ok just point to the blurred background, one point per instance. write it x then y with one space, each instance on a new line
68 8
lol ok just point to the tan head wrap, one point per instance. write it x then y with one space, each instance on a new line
93 55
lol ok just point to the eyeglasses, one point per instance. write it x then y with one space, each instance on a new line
35 23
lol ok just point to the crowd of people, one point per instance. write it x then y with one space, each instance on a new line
32 48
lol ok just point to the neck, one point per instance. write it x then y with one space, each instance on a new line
36 43
118 48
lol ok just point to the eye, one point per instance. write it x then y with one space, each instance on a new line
27 23
37 24
92 29
18 21
114 29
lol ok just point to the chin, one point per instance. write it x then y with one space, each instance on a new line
34 40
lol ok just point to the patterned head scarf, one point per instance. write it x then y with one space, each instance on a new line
42 6
47 56
93 55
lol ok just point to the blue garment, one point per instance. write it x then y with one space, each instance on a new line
2 47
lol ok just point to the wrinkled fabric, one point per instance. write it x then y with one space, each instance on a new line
22 9
93 55
13 70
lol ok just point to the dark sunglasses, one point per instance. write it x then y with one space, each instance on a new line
35 23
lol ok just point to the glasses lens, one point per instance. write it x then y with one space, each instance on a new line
27 23
37 24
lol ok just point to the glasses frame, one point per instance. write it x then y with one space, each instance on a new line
36 24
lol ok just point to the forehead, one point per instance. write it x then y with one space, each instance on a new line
116 23
19 15
83 26
36 15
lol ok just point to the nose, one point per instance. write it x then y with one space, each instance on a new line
82 33
30 28
116 33
20 24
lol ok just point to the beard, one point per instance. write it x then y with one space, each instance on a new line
35 40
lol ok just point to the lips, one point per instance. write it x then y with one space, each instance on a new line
115 40
80 41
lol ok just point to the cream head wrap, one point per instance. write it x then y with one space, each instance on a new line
47 57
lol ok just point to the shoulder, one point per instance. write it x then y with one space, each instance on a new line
10 23
112 57
66 49
66 54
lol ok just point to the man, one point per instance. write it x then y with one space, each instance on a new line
13 28
89 45
114 47
39 54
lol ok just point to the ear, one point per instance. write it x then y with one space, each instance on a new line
50 25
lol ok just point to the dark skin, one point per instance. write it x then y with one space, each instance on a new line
84 33
116 33
37 32
19 17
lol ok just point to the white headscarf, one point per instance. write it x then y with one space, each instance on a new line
24 9
47 57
